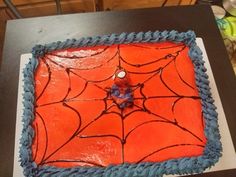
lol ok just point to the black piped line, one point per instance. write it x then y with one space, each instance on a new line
137 110
182 78
71 161
95 67
175 102
113 112
47 104
46 137
177 54
172 96
144 98
151 121
167 147
141 65
140 46
103 89
81 69
144 64
49 78
100 136
138 106
118 51
149 78
54 62
77 113
91 122
151 62
183 97
167 85
75 57
73 100
123 141
148 72
183 128
159 116
113 57
160 69
74 134
69 82
175 123
68 100
106 79
112 105
169 47
81 92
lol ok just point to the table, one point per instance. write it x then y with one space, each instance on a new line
23 34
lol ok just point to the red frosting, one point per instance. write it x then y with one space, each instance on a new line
77 122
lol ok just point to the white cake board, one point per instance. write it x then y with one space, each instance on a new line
227 161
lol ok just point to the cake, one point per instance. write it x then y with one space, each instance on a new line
129 104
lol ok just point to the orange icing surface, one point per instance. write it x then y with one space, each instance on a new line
77 122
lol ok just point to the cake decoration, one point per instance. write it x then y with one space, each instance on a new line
90 104
121 91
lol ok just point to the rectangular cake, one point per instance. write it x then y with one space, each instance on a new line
129 104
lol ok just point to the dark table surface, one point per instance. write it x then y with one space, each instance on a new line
22 35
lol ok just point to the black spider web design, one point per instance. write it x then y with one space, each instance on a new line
78 133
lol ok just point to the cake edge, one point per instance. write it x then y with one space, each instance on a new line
186 165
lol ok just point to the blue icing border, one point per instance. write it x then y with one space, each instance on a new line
186 165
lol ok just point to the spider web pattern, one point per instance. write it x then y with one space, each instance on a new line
94 88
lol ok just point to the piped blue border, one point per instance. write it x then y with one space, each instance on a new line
186 165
